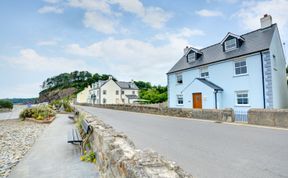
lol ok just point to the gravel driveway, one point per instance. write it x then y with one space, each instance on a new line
16 138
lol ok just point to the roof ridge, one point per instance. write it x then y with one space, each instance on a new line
241 35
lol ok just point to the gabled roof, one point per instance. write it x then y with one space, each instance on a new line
193 49
232 34
210 84
127 85
255 41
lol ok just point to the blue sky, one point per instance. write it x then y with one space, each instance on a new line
130 39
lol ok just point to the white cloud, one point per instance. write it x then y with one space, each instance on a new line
50 9
100 5
209 13
156 17
130 58
102 10
100 22
30 60
251 12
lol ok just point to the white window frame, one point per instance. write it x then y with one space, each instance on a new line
242 92
205 72
177 99
240 61
189 55
230 48
178 81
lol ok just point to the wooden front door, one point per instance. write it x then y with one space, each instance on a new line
197 100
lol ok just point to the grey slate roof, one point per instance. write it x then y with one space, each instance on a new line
127 85
210 84
255 41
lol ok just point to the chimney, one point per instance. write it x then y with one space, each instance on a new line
110 77
186 49
266 21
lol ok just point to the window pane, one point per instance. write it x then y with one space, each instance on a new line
243 63
237 71
245 100
244 70
237 64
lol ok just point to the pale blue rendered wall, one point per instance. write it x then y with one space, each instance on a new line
279 84
222 74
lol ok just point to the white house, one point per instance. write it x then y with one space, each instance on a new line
113 92
241 72
83 96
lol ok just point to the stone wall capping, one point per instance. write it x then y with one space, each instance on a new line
118 157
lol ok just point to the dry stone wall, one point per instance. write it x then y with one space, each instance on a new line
222 115
268 117
117 156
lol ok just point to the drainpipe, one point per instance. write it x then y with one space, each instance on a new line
215 93
263 81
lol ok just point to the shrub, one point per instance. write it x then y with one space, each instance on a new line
62 103
88 157
39 113
6 104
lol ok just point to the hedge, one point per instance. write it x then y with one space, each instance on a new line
6 104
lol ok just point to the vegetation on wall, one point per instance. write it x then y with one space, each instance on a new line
154 94
6 104
62 104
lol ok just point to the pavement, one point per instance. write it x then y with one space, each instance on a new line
51 155
205 148
14 114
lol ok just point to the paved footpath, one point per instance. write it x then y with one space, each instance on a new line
206 149
51 155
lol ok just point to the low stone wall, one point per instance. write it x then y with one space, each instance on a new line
222 115
117 156
268 117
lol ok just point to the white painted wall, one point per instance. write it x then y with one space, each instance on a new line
83 96
222 74
129 92
279 84
110 96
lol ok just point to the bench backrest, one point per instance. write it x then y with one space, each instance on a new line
86 127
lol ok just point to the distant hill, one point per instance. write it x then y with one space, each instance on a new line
22 100
68 84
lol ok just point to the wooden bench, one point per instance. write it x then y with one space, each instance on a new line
73 117
75 137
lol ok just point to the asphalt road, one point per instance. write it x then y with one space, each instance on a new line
206 149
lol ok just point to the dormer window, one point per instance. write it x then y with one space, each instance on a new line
230 44
192 54
191 57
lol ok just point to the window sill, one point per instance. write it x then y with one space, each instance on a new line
240 75
242 105
179 104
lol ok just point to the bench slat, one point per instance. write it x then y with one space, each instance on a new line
74 136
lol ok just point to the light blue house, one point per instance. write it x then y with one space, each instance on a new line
240 72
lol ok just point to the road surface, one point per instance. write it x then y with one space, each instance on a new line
206 149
